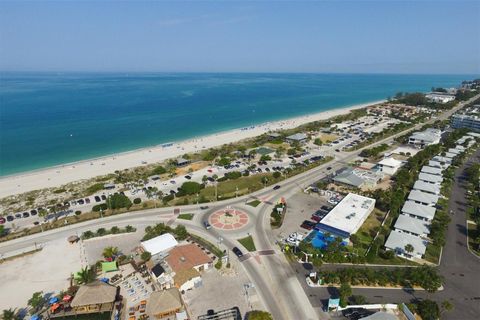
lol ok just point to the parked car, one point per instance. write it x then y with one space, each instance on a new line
207 225
97 199
237 252
104 197
188 177
329 168
2 220
26 214
276 187
10 218
33 212
307 224
87 200
18 215
204 207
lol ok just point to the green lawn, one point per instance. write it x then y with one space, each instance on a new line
247 242
254 203
185 216
432 253
472 232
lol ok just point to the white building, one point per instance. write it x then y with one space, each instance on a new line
418 211
425 138
390 165
398 241
297 137
424 198
159 246
437 164
412 226
439 97
427 187
348 216
431 170
430 178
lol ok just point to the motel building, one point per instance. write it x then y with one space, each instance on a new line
348 216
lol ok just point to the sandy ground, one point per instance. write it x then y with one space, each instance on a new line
59 175
125 242
47 270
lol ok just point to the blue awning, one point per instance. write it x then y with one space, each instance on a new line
53 300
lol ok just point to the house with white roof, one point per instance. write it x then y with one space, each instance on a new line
437 164
450 155
439 158
389 165
455 151
412 226
431 170
423 198
425 138
398 241
159 246
297 137
430 178
418 211
427 187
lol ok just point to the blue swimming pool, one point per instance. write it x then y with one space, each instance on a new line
319 240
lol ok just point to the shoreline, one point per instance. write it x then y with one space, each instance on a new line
58 175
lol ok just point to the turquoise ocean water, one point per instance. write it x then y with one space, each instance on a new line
48 119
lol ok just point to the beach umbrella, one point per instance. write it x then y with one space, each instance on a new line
34 317
106 280
67 298
54 307
53 300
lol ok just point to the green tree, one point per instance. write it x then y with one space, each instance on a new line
344 291
88 234
9 314
85 275
101 232
265 157
115 230
318 142
159 170
428 310
224 161
110 252
191 187
446 306
409 249
259 315
276 175
145 256
36 302
181 232
118 201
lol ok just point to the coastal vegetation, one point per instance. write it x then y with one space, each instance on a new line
103 232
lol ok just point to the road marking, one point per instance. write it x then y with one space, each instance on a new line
266 252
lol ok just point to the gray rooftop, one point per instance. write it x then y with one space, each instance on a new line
412 225
410 207
429 135
348 177
398 240
297 137
423 197
426 187
430 178
439 158
450 155
432 170
438 164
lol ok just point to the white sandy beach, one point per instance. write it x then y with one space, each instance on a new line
60 175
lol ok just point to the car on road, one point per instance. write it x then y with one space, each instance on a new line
276 187
237 252
207 225
2 220
204 207
172 181
329 168
188 177
36 223
210 170
307 224
10 218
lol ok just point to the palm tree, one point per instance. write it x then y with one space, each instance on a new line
409 248
85 275
110 252
9 315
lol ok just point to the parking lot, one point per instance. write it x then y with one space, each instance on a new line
223 290
301 207
125 242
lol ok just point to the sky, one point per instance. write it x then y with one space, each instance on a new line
245 36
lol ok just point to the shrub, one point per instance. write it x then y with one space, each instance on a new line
191 187
168 198
114 230
78 212
218 265
233 175
95 188
145 256
137 200
118 201
159 170
100 207
277 175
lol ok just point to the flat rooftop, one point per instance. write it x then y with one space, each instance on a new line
416 209
430 178
350 213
